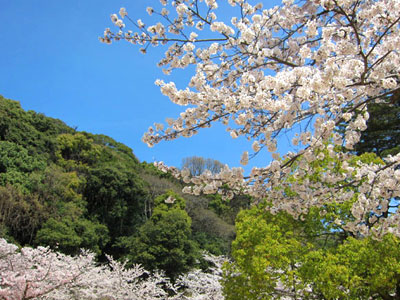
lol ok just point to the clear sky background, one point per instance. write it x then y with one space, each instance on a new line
52 62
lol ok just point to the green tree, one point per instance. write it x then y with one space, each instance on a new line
70 234
277 256
164 241
21 214
363 268
110 143
33 131
266 253
115 196
76 151
382 135
17 165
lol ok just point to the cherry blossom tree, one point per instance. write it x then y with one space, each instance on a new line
202 285
301 68
40 273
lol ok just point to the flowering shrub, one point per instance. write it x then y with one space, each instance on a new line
303 67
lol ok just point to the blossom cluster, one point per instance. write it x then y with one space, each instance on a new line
205 286
40 273
310 64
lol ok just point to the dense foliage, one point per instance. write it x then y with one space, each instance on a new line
276 256
164 241
382 135
71 190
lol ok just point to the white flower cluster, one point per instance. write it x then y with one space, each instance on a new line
315 62
43 274
205 286
40 273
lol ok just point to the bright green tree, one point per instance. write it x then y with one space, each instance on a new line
34 131
76 151
277 257
266 253
312 256
360 268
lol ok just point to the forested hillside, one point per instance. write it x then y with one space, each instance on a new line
71 190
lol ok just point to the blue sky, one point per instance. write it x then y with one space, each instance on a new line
52 62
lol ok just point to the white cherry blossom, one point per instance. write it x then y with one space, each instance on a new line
304 66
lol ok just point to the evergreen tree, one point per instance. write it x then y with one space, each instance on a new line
164 241
382 135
